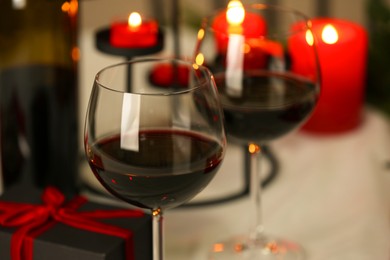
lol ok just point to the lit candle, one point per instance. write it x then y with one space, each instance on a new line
134 33
236 24
234 31
236 21
342 52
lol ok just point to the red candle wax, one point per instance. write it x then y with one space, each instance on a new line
124 34
166 75
342 53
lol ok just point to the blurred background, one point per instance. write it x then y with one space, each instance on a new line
332 190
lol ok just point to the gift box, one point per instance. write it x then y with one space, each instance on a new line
44 225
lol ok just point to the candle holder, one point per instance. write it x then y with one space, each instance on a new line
103 44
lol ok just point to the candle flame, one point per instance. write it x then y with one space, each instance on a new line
134 20
235 13
329 34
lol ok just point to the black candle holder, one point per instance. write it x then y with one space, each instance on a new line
103 44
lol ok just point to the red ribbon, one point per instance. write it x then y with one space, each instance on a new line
32 220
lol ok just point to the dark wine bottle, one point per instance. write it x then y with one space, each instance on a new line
38 93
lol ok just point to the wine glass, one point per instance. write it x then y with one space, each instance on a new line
265 65
154 145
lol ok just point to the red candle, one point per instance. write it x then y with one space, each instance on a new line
252 26
342 52
234 23
134 33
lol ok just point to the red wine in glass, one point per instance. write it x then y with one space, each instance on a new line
149 178
269 106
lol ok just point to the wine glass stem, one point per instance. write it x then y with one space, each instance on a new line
158 245
255 190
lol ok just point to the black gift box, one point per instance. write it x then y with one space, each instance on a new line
62 242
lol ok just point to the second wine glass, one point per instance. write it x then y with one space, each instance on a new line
265 64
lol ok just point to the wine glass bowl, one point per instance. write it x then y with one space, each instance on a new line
265 64
151 146
272 88
149 181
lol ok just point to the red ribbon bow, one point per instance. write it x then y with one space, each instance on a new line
32 220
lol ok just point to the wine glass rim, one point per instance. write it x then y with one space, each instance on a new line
280 8
179 91
304 19
262 6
